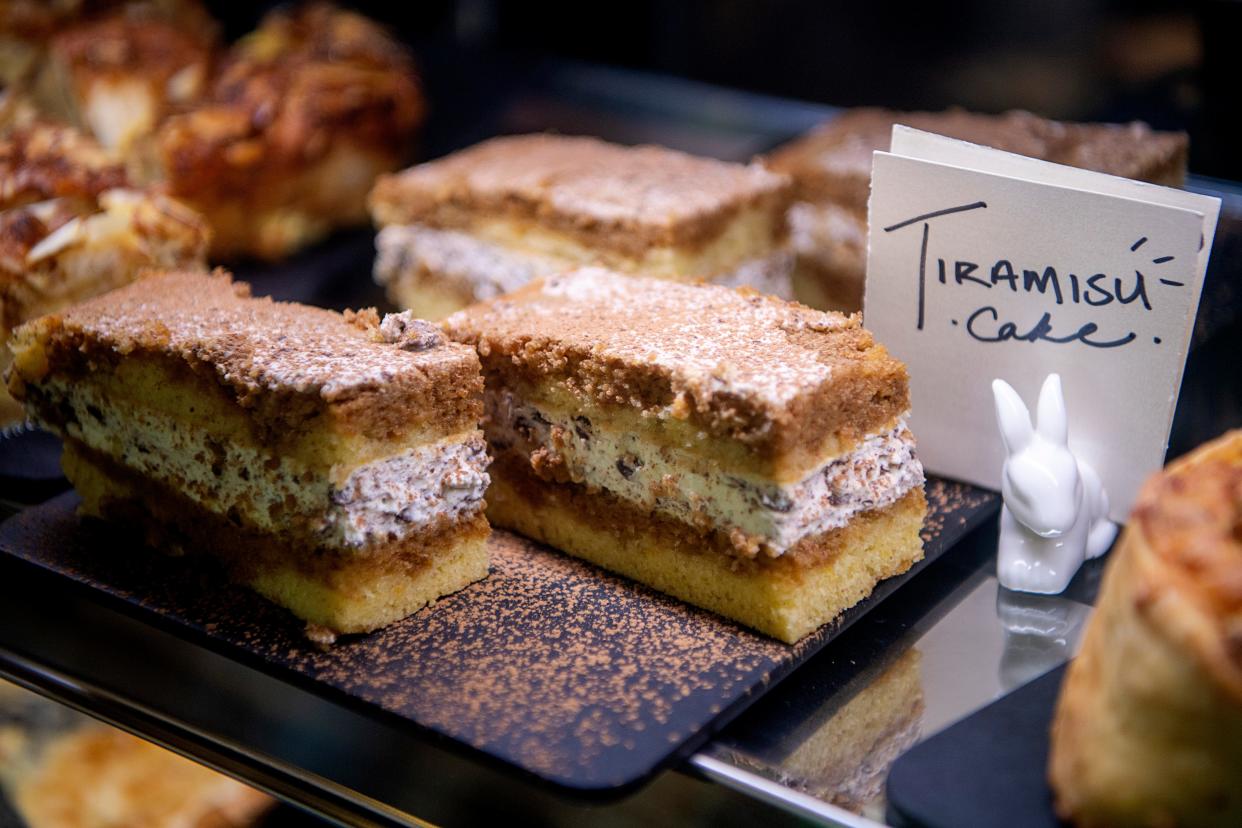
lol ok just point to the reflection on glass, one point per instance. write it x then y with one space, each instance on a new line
1041 632
60 768
847 759
842 755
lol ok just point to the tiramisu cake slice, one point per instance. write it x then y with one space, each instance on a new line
831 170
334 463
486 220
736 451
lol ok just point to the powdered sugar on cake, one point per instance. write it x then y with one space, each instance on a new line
252 344
711 340
653 191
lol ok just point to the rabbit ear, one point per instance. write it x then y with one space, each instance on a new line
1053 424
1012 416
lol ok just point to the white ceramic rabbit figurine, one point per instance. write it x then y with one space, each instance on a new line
1055 512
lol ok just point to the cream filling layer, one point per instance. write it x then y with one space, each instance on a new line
875 475
484 269
421 488
417 489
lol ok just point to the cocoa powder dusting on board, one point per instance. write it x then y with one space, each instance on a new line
601 673
947 502
550 665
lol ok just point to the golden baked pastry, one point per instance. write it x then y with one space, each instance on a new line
742 453
831 170
27 27
306 111
1148 729
99 778
488 219
119 75
72 227
334 462
63 770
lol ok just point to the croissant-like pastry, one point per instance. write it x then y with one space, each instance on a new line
1148 730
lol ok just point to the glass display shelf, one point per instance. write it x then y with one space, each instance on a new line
815 747
944 641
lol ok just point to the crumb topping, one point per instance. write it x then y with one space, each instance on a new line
583 185
708 340
254 344
409 333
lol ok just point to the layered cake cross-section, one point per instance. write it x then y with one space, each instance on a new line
332 462
486 220
739 452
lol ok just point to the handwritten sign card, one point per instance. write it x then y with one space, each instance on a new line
984 264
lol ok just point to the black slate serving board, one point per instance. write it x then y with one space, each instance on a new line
993 764
561 671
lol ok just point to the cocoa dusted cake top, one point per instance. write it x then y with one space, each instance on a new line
256 346
834 160
586 185
742 364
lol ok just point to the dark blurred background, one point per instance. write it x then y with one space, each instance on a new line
1174 65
